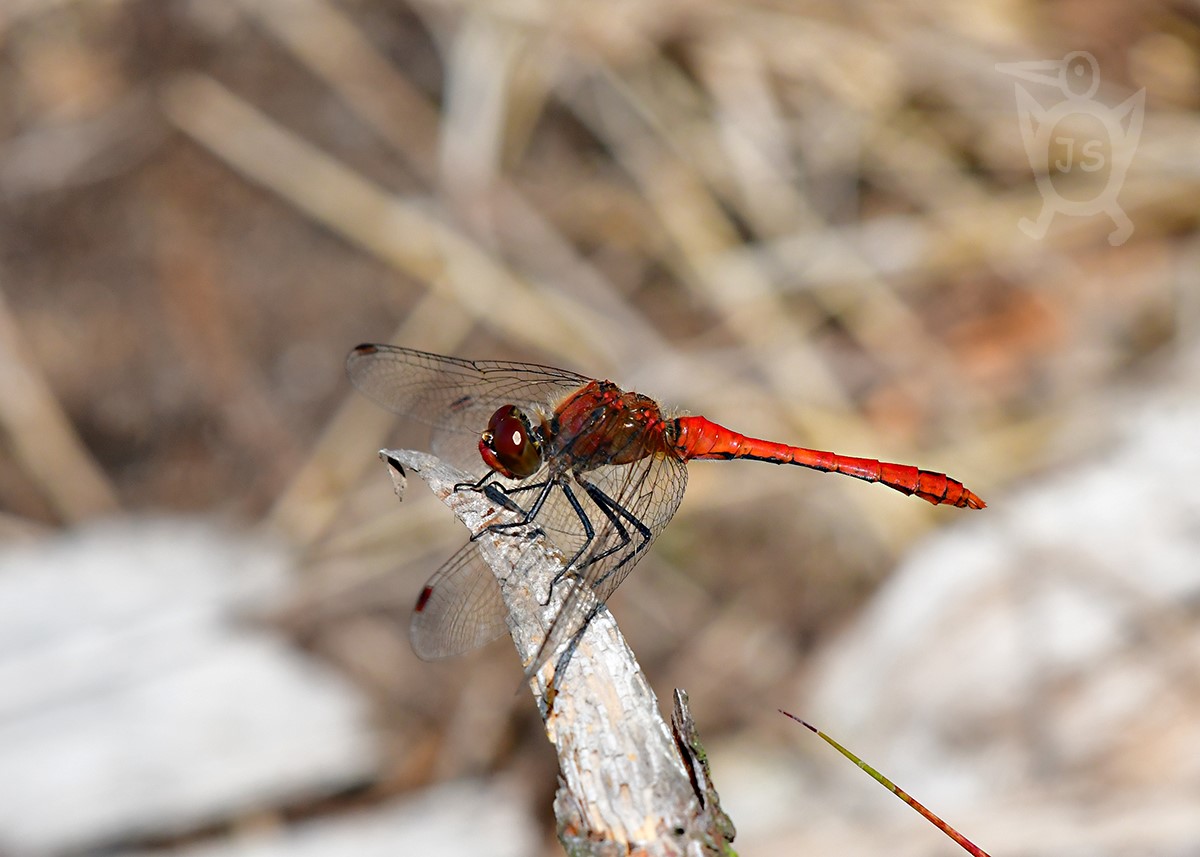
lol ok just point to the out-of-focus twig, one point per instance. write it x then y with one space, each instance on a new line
41 435
330 44
57 155
320 485
406 233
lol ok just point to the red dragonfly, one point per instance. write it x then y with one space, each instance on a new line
598 470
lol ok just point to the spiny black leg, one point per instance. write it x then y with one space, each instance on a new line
604 504
477 485
589 531
614 511
503 496
527 515
530 486
498 495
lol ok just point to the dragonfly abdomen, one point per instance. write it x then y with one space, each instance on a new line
700 438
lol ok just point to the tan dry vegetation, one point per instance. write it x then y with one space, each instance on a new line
799 219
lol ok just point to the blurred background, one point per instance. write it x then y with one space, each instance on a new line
803 220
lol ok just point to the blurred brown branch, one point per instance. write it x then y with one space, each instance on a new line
42 438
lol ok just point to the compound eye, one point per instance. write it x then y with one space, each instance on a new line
508 446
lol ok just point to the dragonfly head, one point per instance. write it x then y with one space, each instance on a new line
509 445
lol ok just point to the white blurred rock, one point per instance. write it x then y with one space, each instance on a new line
1044 651
137 695
464 819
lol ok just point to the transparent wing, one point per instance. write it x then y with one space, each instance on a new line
626 506
449 392
650 492
459 609
456 397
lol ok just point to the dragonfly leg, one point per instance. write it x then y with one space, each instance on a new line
532 486
615 512
477 485
589 532
502 496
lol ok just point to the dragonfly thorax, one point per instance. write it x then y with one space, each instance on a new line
510 444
